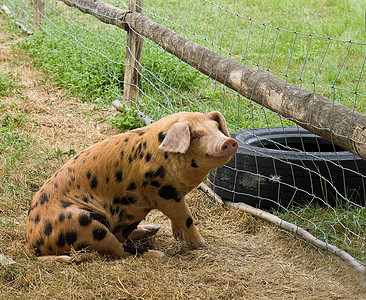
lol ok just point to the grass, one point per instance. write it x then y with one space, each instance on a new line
86 58
266 35
73 61
342 226
5 85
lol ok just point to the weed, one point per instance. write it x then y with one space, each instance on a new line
127 120
59 154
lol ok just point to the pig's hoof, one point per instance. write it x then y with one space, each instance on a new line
62 258
200 244
154 254
143 232
178 234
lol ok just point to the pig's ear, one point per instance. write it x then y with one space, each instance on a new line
177 139
219 118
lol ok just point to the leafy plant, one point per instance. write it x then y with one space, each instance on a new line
127 120
59 154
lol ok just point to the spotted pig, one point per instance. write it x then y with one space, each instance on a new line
98 198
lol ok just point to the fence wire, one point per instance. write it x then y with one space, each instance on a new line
296 175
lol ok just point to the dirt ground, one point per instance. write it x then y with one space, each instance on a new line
247 258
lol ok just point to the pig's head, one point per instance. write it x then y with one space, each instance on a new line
202 138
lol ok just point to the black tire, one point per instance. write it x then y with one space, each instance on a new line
289 165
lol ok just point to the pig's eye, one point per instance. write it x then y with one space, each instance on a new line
195 136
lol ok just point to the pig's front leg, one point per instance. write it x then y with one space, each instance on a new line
182 222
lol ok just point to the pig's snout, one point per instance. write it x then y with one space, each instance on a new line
228 147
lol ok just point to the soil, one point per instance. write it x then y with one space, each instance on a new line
247 258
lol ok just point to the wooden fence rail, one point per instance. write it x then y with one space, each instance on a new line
310 110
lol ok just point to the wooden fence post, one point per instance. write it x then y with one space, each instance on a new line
133 59
38 12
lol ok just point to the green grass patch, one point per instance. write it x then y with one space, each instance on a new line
90 62
343 226
12 143
73 60
5 85
290 38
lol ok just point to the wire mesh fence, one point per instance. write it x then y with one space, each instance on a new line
301 178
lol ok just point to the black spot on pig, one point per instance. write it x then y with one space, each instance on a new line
134 251
65 204
48 228
149 174
84 219
71 236
160 173
94 182
132 186
61 217
39 242
119 176
189 222
82 246
194 164
37 219
61 241
100 218
37 251
139 132
161 136
169 192
99 234
43 198
124 200
155 183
